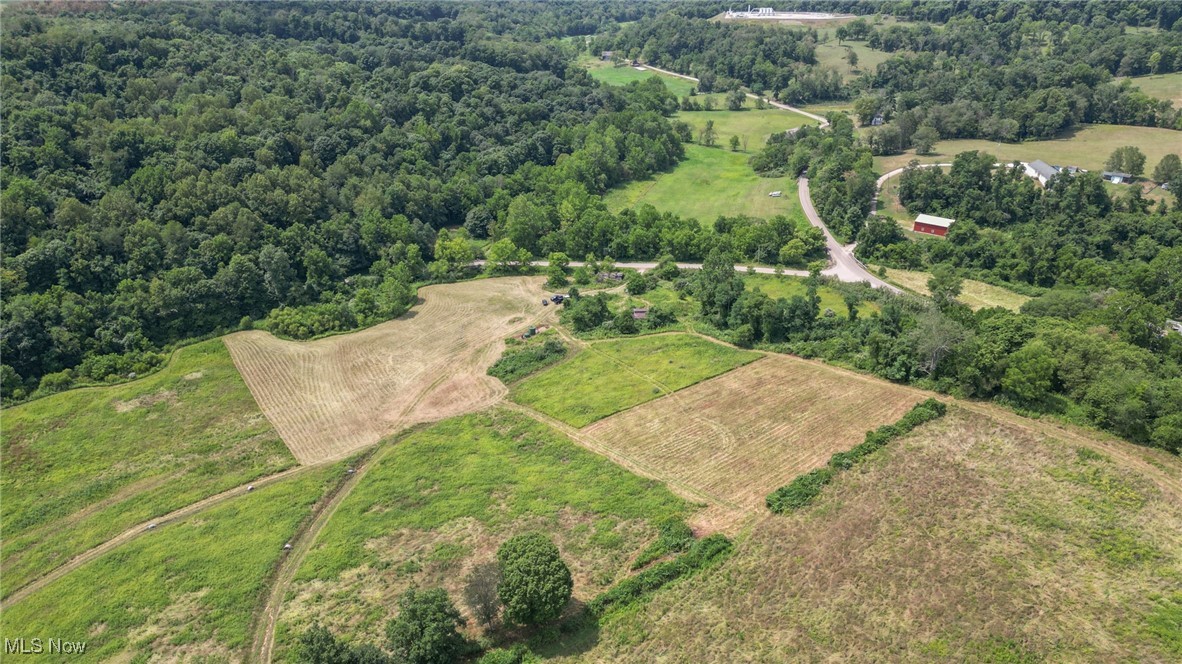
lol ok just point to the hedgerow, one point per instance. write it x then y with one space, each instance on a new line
801 491
702 554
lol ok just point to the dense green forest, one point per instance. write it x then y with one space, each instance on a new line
176 170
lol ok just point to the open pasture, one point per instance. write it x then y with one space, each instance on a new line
330 397
1087 147
84 465
982 537
607 72
777 287
609 376
976 294
1161 86
442 500
709 183
186 591
737 437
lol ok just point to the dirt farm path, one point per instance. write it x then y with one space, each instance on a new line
142 529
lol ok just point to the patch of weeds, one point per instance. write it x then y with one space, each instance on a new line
408 567
448 553
1165 622
998 650
1085 454
1122 547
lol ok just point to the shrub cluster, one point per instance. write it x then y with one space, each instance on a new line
802 490
703 553
672 535
519 361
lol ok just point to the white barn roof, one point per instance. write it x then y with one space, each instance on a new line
932 220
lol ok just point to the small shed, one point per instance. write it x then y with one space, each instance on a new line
639 314
608 55
877 120
1116 177
932 225
776 194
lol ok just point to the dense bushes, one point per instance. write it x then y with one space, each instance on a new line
702 554
521 359
804 489
673 535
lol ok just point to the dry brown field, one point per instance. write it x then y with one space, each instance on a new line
330 397
735 438
982 536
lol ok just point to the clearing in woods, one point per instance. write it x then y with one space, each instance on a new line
186 591
1087 147
330 397
441 500
737 437
82 466
609 376
982 536
975 294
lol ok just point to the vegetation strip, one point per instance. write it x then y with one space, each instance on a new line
804 489
702 554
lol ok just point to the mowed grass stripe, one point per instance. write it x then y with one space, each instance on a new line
83 466
187 590
778 417
610 376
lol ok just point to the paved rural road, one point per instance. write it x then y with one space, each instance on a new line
845 266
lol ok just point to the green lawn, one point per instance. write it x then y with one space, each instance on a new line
708 183
84 465
612 75
786 287
447 496
752 124
1088 147
185 591
1162 86
611 376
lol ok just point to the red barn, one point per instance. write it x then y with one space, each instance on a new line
926 223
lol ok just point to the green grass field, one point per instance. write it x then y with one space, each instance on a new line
84 465
1162 86
709 183
976 294
832 55
612 75
447 496
786 287
750 124
611 376
1087 148
186 591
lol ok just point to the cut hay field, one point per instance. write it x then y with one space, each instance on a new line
709 183
739 436
83 466
750 124
443 499
1162 86
609 376
976 294
1086 147
973 539
186 591
832 55
330 397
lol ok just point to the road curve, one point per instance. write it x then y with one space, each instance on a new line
845 266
